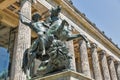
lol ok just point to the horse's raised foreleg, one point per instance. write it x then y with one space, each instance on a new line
74 36
61 27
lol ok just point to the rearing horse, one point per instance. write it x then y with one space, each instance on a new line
57 30
60 30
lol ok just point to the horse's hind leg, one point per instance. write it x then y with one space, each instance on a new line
28 74
74 36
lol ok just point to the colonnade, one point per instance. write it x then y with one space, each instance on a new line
104 66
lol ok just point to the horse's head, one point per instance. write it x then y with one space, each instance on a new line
55 11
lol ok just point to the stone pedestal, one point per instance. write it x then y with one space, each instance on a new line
67 75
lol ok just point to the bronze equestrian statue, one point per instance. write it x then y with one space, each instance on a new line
52 33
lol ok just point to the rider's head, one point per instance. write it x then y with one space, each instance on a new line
55 12
36 17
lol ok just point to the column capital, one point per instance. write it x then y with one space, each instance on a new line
110 59
102 52
117 62
81 40
94 45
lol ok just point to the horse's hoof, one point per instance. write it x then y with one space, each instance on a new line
28 78
88 45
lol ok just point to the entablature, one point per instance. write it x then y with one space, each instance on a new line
9 17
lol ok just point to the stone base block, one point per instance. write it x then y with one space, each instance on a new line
66 75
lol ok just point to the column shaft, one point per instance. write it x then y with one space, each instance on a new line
84 59
112 68
70 46
95 62
118 69
104 64
23 41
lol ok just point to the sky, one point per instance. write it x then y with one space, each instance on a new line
4 59
104 13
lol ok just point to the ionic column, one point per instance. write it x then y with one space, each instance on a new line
95 62
69 45
117 64
23 40
104 64
112 68
84 59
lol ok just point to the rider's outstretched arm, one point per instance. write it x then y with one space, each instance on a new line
26 22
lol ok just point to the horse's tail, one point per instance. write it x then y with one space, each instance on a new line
25 60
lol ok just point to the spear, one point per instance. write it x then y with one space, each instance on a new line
24 16
45 25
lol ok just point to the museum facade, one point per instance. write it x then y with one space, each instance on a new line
99 62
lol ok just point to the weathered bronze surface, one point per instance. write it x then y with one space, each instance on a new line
50 46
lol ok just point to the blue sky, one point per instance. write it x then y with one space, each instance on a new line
4 59
104 13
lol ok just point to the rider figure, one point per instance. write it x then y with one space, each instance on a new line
39 28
